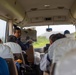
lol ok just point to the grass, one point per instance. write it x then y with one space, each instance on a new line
41 42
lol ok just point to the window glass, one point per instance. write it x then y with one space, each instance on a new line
43 35
2 30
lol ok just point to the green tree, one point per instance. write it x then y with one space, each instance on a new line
41 42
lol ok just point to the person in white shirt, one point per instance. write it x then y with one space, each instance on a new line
47 59
61 47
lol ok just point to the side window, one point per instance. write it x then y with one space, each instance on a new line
2 30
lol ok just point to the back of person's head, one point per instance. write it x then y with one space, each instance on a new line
55 37
66 32
11 38
52 38
59 36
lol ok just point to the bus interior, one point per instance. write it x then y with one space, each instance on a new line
32 13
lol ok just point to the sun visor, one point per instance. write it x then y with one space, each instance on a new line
5 51
15 48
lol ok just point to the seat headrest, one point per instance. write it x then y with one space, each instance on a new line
61 47
67 65
15 48
5 51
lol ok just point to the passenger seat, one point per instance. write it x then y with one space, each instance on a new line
16 49
5 53
67 64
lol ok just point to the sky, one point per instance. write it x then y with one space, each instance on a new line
60 28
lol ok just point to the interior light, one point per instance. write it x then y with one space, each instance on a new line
46 6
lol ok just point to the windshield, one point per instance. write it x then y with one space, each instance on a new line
43 35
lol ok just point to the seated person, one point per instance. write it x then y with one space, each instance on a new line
11 38
47 59
22 69
51 39
18 61
61 47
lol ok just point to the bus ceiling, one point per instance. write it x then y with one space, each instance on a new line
38 12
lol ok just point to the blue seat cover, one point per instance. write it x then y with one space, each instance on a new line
3 67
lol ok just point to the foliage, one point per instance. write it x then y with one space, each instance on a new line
41 42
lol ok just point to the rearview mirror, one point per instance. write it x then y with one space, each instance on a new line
48 29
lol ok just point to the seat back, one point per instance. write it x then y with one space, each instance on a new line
30 54
12 66
67 65
61 47
5 52
16 49
4 70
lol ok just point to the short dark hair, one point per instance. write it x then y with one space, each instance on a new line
66 32
57 36
52 37
16 29
11 38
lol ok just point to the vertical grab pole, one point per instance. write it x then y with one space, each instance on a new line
10 24
9 29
